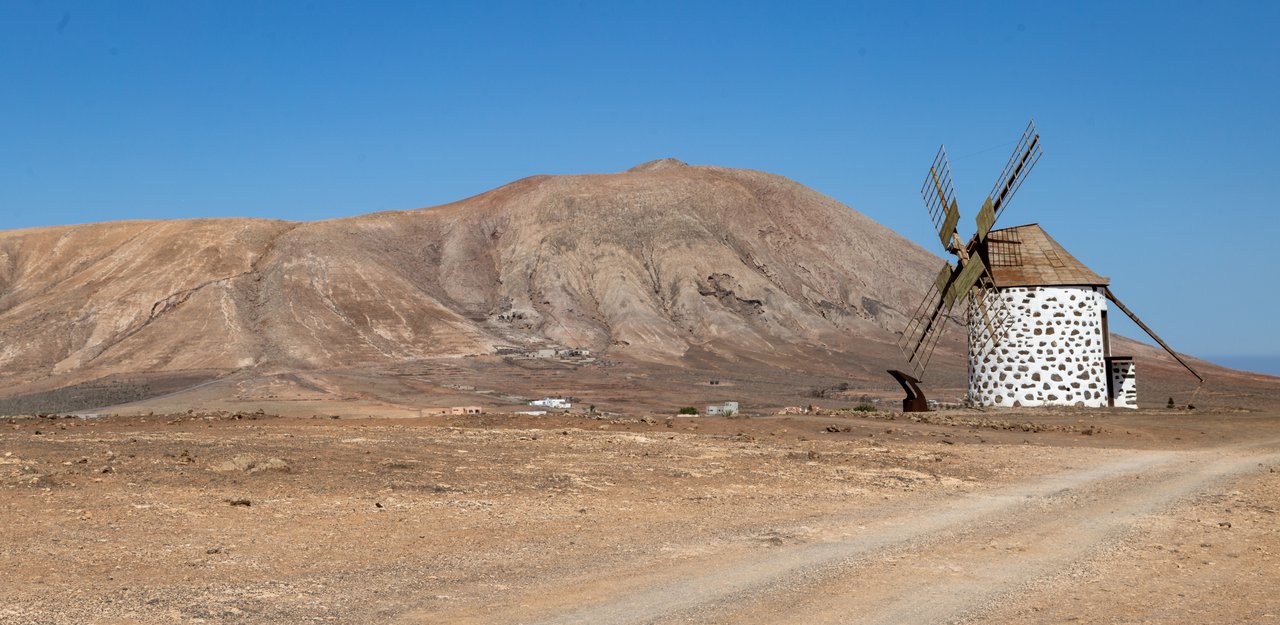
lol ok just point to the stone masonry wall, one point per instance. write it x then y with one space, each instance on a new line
1124 383
1051 354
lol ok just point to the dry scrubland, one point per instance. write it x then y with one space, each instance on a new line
1049 517
687 285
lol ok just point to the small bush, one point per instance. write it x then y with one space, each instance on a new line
688 410
864 408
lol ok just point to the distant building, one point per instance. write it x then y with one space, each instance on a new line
552 402
545 353
727 408
455 410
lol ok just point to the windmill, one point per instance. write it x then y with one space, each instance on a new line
1036 316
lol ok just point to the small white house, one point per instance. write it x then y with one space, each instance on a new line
727 408
552 402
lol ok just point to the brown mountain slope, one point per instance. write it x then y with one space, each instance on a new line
664 263
674 274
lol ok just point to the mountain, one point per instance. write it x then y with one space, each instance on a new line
664 266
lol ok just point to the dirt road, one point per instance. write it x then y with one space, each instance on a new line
1027 519
955 561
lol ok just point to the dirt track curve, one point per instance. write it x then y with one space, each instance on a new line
956 561
244 519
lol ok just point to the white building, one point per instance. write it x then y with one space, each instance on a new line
727 408
552 402
1055 349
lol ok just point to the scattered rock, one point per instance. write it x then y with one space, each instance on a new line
250 464
240 502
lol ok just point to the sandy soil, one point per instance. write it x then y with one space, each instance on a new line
1050 517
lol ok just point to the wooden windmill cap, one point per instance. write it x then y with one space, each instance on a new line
1028 256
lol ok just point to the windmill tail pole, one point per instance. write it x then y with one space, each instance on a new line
1112 296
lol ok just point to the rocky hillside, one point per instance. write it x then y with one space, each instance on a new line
663 263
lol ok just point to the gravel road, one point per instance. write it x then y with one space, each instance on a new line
952 561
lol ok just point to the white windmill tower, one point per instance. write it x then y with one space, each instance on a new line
1036 316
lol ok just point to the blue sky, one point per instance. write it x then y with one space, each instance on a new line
1159 120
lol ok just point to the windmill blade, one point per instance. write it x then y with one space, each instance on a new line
934 326
986 218
928 322
940 197
1025 157
986 302
965 280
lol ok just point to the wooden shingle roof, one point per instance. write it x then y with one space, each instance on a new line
1028 256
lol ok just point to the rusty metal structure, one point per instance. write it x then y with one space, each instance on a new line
915 400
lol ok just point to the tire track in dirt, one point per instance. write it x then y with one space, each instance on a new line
959 576
894 564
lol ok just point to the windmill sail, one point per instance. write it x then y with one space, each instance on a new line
1025 156
929 321
986 304
940 197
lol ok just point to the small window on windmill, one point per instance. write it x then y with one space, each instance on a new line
1004 249
1054 260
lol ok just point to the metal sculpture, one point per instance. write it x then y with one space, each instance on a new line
915 400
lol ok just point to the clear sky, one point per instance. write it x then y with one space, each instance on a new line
1160 121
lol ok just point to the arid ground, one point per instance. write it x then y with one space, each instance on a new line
1155 516
246 429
